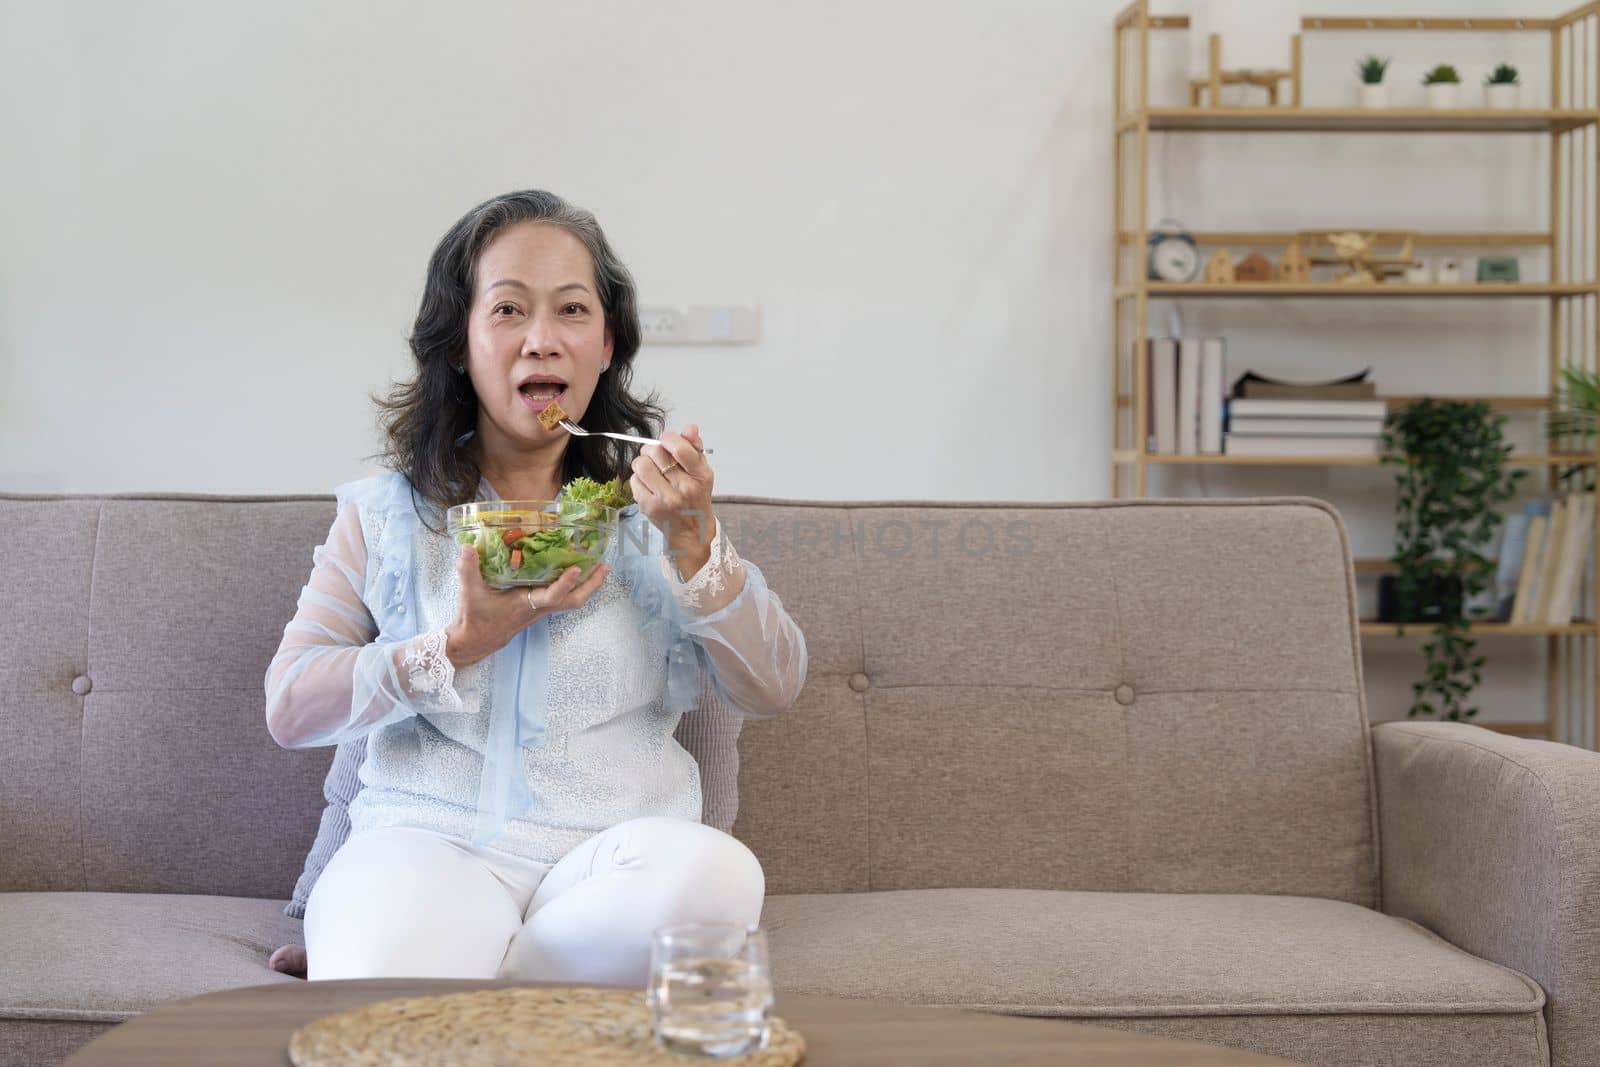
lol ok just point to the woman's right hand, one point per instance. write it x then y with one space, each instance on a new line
488 618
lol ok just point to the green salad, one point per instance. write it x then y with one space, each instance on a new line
521 547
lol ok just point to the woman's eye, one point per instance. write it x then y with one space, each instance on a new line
508 308
580 308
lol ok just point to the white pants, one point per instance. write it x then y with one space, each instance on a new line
403 902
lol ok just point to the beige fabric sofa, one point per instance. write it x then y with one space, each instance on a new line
1105 761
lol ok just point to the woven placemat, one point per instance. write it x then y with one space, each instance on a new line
583 1027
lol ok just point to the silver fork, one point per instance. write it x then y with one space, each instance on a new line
578 431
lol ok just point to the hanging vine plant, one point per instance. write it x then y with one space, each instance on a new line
1451 480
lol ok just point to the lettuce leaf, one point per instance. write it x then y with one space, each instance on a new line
586 499
556 537
553 558
494 555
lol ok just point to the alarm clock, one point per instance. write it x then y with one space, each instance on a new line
1173 255
1498 269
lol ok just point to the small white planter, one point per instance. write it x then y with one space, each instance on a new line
1374 94
1449 272
1503 97
1444 94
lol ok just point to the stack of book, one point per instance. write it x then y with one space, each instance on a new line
1269 417
1192 412
1544 554
1185 399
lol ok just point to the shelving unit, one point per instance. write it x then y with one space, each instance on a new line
1570 244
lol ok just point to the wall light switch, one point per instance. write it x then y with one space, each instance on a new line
663 325
725 325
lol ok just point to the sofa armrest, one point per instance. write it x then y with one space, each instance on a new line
1493 842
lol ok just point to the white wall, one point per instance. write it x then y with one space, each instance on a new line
216 239
214 218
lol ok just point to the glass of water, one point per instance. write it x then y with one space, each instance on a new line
710 988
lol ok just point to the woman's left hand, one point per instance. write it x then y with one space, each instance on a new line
678 503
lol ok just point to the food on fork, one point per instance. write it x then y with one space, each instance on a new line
552 415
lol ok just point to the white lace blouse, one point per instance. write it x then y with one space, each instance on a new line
565 731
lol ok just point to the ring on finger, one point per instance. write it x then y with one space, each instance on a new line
531 605
674 465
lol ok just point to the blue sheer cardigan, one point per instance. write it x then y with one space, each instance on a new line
756 667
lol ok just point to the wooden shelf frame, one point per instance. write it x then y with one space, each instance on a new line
1359 120
1507 403
1386 22
1125 457
1277 239
1570 124
1585 627
1334 291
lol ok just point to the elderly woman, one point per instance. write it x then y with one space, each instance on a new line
524 808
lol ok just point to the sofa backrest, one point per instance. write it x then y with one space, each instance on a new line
1140 696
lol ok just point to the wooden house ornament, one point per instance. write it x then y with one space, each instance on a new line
1294 267
1253 268
1220 269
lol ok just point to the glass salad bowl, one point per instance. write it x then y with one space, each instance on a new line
531 542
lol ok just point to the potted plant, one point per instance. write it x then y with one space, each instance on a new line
1451 456
1373 92
1502 88
1577 414
1443 84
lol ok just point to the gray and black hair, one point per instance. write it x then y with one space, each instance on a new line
423 418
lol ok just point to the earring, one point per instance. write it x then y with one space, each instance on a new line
603 366
461 368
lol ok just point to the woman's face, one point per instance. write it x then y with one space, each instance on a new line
537 331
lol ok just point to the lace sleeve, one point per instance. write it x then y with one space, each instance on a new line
758 651
715 585
428 670
331 680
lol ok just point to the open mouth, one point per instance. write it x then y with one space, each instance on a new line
537 395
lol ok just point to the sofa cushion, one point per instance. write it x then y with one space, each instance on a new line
105 957
1066 697
132 669
1305 978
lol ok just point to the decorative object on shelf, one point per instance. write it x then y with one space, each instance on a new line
1253 385
1357 252
1220 269
1502 89
1373 92
1499 269
1253 268
1262 43
1451 481
1443 85
1576 414
1449 271
1294 267
1418 273
1172 254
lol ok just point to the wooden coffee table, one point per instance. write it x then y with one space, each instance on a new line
244 1027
